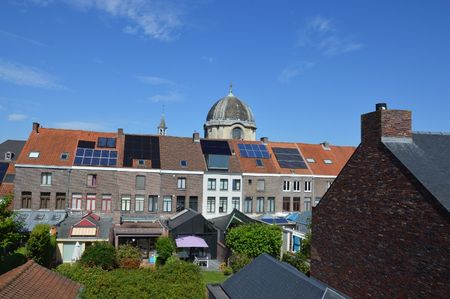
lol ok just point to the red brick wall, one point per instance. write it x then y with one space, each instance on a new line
386 123
378 233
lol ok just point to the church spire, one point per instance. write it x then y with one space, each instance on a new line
162 128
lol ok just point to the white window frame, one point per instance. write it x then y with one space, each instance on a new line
296 185
286 186
248 208
125 202
181 183
153 203
308 186
223 204
167 203
46 179
92 180
76 201
34 155
139 202
270 204
307 204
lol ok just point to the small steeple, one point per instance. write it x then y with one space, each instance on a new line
162 128
230 94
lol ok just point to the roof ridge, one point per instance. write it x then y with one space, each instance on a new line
18 272
431 133
75 130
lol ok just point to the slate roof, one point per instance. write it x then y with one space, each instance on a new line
14 146
303 220
31 280
222 222
231 108
181 218
266 277
31 218
103 225
51 143
427 157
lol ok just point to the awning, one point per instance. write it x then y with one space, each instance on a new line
191 241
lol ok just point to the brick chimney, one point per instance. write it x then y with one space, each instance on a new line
385 123
120 131
196 137
36 127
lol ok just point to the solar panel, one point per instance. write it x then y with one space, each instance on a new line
86 144
138 147
215 147
289 158
101 142
90 157
253 150
111 142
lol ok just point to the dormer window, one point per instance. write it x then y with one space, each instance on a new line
33 155
9 155
64 156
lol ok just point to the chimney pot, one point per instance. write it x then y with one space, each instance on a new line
380 106
196 137
36 127
120 131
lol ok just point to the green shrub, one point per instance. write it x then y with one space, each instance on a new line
239 261
10 228
129 257
165 248
12 261
39 246
227 271
254 239
298 260
101 254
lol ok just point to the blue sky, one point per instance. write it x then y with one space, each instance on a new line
308 69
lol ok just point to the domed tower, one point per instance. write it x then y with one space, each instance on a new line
230 118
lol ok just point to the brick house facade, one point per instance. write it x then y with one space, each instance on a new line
382 230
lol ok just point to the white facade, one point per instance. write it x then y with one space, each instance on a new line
221 193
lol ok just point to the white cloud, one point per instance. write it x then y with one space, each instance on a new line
172 96
80 125
27 76
321 34
17 117
155 19
294 70
19 37
153 80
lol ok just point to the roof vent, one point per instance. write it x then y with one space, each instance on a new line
380 106
326 145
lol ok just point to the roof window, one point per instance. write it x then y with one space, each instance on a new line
259 163
64 156
310 160
183 163
327 161
33 155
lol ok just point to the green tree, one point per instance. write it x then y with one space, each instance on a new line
305 249
129 257
101 254
9 228
165 248
39 245
254 239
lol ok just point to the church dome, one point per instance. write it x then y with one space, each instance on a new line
231 109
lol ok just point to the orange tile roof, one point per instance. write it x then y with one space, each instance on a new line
50 143
339 156
249 164
271 145
34 281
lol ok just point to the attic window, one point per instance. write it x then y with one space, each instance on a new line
33 155
259 163
310 160
141 162
327 161
106 142
64 156
183 163
9 155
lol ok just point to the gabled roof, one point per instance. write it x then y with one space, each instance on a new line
249 164
176 149
427 157
34 281
338 155
103 225
272 145
223 222
266 277
14 146
51 143
181 217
